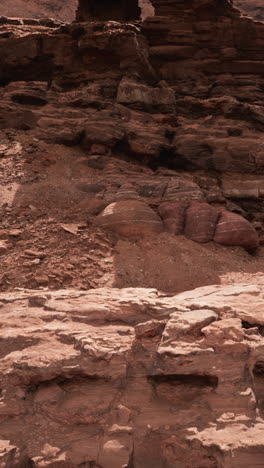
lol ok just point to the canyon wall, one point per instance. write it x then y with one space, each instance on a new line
131 240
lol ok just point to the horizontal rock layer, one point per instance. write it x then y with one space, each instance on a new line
113 132
114 378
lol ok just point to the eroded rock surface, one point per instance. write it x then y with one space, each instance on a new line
132 377
131 154
171 92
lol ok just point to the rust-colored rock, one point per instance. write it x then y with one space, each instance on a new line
200 223
173 215
233 229
84 366
130 218
105 123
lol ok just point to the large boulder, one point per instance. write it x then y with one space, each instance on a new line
200 222
130 218
173 214
233 229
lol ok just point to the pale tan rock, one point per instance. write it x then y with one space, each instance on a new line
189 323
62 371
3 246
149 329
238 301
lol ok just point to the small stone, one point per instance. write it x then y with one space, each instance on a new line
42 279
149 329
3 247
37 301
15 232
36 261
34 253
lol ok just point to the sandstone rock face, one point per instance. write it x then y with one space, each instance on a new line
98 87
112 378
125 149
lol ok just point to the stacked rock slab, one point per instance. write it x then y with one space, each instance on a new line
184 91
193 38
112 378
134 378
130 219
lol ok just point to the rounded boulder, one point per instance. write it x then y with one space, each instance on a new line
200 222
233 229
130 218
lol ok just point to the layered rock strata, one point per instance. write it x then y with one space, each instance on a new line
184 91
132 378
113 132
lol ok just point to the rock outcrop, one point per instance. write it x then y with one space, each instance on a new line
131 155
113 378
173 93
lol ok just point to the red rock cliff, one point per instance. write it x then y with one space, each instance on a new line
132 159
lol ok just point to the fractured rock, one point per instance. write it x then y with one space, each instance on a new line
122 387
